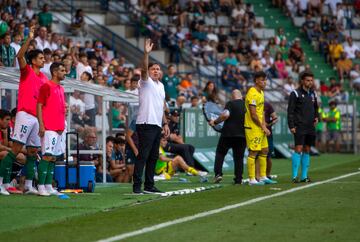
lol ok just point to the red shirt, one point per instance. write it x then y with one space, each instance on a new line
324 89
29 87
52 97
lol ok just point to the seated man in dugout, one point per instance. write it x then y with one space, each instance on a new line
5 146
167 166
117 166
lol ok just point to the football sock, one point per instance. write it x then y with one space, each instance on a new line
262 161
296 157
305 163
6 167
30 167
42 171
251 167
192 171
50 173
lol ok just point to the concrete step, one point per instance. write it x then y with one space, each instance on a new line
122 30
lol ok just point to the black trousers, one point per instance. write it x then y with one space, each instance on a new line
149 142
186 151
238 145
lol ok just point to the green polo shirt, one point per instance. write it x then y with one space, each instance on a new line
170 85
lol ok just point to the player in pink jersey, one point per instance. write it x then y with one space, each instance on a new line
51 117
26 125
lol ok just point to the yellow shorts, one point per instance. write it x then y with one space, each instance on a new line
169 169
256 140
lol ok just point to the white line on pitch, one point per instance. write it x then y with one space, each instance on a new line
219 210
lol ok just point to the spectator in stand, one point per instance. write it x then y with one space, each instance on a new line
41 39
243 52
315 7
81 63
280 37
48 62
308 27
134 85
28 12
210 93
296 53
332 4
16 44
232 78
187 86
284 50
118 116
302 7
4 27
231 60
194 100
268 63
70 69
54 42
344 66
78 25
171 83
355 77
7 52
258 47
324 89
289 87
45 18
272 47
335 89
351 48
97 52
280 66
256 63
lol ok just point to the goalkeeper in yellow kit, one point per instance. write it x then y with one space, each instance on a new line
256 130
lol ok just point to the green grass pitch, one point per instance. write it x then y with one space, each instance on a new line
327 212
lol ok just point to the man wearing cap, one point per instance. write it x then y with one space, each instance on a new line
333 125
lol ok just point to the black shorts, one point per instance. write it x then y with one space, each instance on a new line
305 139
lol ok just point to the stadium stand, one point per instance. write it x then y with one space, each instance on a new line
211 43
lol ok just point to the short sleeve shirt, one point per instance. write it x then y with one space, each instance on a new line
254 98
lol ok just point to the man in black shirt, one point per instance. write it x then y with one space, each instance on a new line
232 136
302 119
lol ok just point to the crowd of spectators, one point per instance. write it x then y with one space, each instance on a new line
234 49
90 61
327 32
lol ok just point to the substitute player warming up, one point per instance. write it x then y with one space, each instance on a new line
256 130
51 116
26 125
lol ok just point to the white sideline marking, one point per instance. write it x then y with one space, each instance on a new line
219 210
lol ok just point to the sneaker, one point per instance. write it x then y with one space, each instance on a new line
295 180
3 191
43 193
31 191
14 190
268 181
137 191
256 183
202 173
54 192
218 179
152 190
306 180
